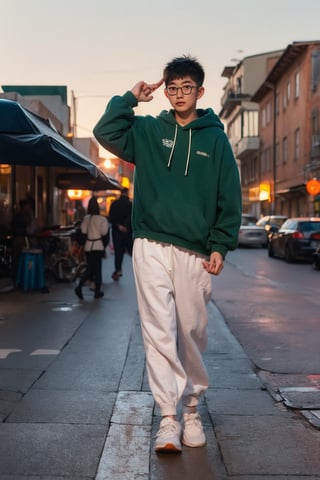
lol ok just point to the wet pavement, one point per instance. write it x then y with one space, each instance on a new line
75 402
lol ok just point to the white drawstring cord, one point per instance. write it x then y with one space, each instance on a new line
174 144
188 157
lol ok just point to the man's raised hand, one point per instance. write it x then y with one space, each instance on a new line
143 91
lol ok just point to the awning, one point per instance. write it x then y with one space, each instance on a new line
84 181
27 139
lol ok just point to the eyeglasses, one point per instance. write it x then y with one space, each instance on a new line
185 89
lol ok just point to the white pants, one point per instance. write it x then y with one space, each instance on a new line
173 289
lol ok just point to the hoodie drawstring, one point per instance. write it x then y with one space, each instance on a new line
188 156
173 147
174 144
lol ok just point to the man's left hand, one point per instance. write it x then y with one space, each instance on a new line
215 264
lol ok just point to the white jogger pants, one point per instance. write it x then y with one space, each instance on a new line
172 291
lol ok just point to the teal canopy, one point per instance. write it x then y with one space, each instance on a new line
27 139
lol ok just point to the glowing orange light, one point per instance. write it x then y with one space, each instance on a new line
313 186
78 194
125 182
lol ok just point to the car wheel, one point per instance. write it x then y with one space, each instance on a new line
288 255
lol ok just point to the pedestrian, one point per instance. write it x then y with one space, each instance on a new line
23 229
120 218
186 216
95 226
79 212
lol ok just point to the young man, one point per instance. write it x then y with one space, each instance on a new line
186 216
120 218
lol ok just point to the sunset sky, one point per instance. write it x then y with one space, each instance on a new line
100 48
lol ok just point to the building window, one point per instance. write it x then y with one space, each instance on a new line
268 112
266 160
262 160
315 126
239 86
263 117
288 91
315 69
284 150
297 85
277 153
296 144
284 100
250 123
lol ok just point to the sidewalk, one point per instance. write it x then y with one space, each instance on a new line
75 402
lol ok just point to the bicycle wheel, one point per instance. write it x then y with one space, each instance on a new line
79 270
63 269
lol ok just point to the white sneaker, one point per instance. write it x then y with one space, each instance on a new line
193 434
168 436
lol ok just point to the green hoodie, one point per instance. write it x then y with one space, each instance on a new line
186 186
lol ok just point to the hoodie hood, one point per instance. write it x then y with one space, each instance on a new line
206 119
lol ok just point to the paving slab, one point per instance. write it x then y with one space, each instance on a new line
133 375
18 379
272 477
44 477
126 452
64 406
301 397
224 374
8 401
94 358
203 463
222 401
62 450
267 445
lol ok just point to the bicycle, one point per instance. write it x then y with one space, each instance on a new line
64 258
6 267
71 265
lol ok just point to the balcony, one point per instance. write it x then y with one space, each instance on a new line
230 100
246 146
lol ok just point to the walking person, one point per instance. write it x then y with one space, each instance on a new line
186 217
24 227
95 226
120 218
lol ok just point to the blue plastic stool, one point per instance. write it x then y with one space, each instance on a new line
30 275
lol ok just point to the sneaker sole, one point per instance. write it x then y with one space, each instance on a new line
168 448
194 445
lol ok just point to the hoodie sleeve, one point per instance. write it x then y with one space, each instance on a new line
113 130
223 235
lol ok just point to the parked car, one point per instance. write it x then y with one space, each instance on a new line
295 240
250 233
273 222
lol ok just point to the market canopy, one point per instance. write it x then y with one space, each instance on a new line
27 139
83 181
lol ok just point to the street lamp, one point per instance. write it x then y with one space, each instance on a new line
74 109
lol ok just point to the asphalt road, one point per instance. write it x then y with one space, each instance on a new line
272 308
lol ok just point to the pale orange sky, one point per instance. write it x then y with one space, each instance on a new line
99 48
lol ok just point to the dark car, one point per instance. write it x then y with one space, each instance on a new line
294 240
273 222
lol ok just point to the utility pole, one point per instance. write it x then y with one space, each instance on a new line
74 113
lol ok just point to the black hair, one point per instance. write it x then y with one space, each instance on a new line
184 66
93 207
